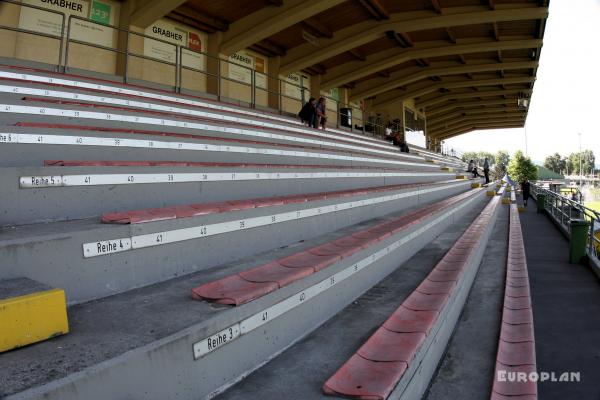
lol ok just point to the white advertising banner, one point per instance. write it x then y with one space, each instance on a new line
174 35
46 22
241 65
293 89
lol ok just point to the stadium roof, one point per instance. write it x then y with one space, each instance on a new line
465 63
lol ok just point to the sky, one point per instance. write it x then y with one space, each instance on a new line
566 95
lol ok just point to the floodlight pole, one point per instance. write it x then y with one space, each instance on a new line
580 160
525 127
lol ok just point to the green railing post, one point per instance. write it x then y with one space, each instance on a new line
578 241
541 200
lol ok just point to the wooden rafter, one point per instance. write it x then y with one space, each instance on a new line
357 54
376 9
317 28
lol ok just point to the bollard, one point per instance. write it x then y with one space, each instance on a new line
541 199
578 241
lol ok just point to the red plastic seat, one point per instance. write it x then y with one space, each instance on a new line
517 303
519 353
407 320
232 290
305 259
269 202
517 332
432 287
329 249
517 273
517 282
237 205
274 272
295 199
187 211
445 265
425 302
385 345
444 276
521 291
364 379
523 316
350 241
207 208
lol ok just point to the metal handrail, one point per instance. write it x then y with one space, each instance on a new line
178 65
563 209
30 32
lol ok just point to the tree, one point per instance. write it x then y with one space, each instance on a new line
521 168
501 163
478 156
586 159
555 163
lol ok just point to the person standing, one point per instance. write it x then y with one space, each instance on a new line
321 113
486 170
526 189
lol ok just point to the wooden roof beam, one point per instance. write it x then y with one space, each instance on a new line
376 9
367 89
459 105
389 58
267 21
367 31
428 103
151 10
317 28
480 119
357 54
189 16
394 97
268 48
402 39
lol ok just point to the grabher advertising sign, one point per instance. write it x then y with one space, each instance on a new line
49 23
175 35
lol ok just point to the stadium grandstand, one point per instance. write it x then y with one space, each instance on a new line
253 199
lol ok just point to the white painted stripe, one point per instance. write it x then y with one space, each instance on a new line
28 182
265 316
201 114
162 97
20 138
179 235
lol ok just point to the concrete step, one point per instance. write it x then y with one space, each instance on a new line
303 369
23 142
91 260
117 342
120 104
47 194
87 84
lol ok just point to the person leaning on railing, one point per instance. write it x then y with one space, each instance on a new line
321 113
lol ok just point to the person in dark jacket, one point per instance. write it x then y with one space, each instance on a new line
486 170
526 189
321 109
308 113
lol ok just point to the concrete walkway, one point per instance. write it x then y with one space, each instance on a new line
566 311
